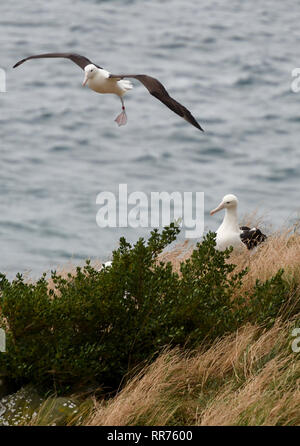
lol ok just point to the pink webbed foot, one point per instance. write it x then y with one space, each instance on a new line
121 119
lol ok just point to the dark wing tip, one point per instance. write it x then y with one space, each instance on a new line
190 118
19 63
199 127
156 89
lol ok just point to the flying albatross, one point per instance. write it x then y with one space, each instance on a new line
102 81
229 233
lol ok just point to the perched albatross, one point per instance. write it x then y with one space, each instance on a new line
102 81
229 233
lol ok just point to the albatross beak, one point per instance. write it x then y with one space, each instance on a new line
221 206
85 80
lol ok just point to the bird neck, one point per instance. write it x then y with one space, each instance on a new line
231 219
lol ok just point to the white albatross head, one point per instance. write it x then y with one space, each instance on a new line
89 72
230 201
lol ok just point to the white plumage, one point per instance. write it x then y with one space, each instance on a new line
230 233
98 80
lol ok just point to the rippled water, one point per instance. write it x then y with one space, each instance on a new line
229 62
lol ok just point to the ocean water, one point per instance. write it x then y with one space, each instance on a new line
229 61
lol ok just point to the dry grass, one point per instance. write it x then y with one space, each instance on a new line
251 377
67 269
280 251
178 254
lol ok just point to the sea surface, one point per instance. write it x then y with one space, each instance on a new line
228 61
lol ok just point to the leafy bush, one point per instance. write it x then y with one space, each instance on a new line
267 299
95 326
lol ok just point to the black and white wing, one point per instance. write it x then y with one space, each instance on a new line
158 90
252 237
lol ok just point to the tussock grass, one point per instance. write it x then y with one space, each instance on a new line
280 251
249 378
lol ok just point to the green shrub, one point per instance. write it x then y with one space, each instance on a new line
96 326
268 299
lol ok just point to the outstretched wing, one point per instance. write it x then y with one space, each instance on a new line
252 237
158 90
81 61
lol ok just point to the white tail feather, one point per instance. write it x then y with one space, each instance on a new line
125 84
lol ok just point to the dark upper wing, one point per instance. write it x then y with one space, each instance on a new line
252 237
81 61
158 90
